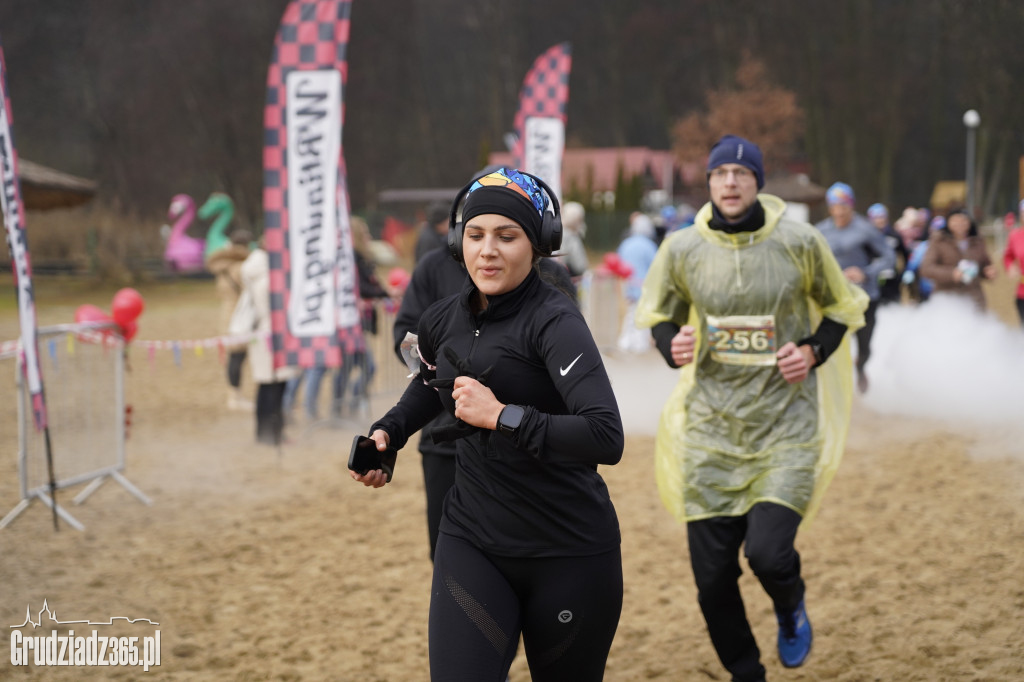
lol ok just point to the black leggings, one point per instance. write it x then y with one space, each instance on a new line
235 360
1020 310
767 533
438 478
864 335
270 413
566 608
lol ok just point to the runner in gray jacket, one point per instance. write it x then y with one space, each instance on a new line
863 254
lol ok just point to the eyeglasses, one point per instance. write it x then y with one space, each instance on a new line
740 174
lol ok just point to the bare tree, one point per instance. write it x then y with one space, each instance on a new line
161 97
754 108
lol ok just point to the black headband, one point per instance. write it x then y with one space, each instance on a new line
504 202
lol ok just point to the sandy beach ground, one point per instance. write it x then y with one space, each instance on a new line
267 565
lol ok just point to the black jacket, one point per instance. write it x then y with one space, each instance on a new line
369 288
438 276
537 493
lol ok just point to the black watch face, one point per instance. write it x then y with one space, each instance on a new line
511 417
817 350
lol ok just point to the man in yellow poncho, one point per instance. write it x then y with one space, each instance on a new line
751 304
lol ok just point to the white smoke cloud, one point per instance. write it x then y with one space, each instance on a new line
944 360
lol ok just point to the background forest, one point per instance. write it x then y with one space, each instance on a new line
165 96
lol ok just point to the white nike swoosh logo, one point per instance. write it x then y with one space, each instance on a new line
565 370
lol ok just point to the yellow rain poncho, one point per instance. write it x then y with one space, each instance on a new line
733 432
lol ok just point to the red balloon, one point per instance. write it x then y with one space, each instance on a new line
129 330
91 313
127 306
616 265
398 278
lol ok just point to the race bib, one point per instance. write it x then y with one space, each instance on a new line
742 339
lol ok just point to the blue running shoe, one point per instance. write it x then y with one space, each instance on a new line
794 636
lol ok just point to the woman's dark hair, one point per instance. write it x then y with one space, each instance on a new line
972 231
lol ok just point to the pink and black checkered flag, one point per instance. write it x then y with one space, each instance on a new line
314 300
540 121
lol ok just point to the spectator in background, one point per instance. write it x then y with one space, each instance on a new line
354 354
270 381
1013 260
921 287
863 254
433 232
573 254
910 236
889 280
226 265
923 223
908 229
370 289
956 260
677 217
637 251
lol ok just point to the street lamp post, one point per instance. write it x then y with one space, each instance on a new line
971 120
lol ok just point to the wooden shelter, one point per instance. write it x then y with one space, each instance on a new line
796 188
598 168
44 188
947 195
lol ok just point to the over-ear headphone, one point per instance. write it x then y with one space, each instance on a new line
550 227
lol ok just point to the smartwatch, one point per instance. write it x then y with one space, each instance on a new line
818 351
510 418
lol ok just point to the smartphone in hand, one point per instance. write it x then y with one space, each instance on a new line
365 457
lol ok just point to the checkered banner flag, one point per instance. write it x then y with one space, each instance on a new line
314 300
14 219
540 121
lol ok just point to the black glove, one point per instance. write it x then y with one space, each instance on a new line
458 428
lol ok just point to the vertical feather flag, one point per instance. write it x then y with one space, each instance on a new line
540 121
313 283
14 219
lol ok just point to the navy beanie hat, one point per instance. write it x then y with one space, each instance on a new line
734 149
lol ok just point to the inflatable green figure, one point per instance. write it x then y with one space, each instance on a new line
220 207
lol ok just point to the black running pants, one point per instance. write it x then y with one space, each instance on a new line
270 413
864 335
235 360
767 533
438 478
565 608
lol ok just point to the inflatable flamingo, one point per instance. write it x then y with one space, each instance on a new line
183 253
219 207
